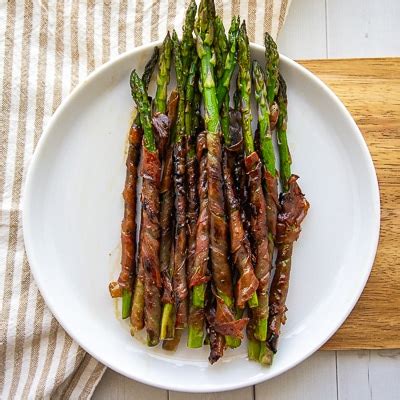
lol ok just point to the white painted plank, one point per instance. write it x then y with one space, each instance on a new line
314 379
384 374
353 376
303 35
363 28
116 386
240 394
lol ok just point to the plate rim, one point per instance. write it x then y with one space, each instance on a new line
34 267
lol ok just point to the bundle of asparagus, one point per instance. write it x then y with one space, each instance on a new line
211 217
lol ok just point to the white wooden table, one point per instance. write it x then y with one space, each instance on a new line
315 29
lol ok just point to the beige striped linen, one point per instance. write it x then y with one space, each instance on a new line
47 47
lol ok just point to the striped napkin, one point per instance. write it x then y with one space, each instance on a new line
46 48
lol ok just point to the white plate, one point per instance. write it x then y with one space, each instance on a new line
73 209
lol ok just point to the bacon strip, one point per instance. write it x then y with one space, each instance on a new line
150 244
128 226
218 225
294 208
259 233
247 283
199 274
179 275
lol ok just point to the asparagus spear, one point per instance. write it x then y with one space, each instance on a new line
179 275
198 275
220 48
162 83
259 229
166 224
128 226
294 208
272 67
284 153
182 55
150 67
187 37
218 227
230 62
271 70
246 285
164 66
268 159
150 225
196 310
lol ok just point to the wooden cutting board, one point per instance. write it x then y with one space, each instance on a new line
370 89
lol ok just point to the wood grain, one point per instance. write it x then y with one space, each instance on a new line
370 89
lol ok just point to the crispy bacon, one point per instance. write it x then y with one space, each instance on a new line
150 243
192 211
294 208
179 275
259 233
218 225
167 206
128 226
247 283
199 274
239 175
166 218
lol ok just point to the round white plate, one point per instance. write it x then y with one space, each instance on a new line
73 209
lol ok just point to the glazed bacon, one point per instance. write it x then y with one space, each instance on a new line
200 274
150 243
259 232
247 283
294 208
128 226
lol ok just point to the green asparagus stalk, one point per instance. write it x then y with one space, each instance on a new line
150 67
220 48
244 85
163 77
196 312
294 208
272 67
140 96
187 37
268 159
230 62
128 227
266 144
150 227
259 229
218 226
284 153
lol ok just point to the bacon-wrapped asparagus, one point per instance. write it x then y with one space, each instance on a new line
181 53
270 174
179 275
246 285
137 313
199 275
150 224
259 230
294 208
128 226
167 227
218 226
